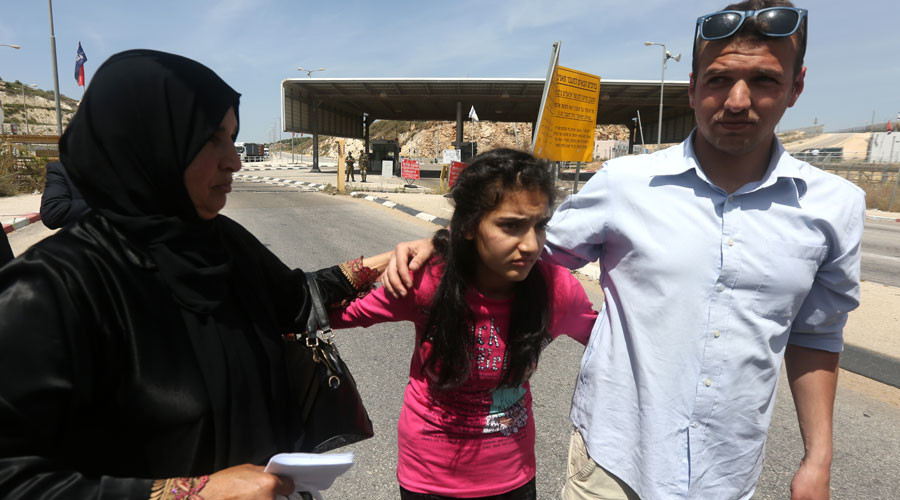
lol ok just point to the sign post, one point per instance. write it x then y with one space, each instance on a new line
568 114
456 168
409 170
341 166
448 157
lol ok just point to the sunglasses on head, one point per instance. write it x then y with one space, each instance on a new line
773 21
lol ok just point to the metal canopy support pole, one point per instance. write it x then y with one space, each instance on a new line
25 107
459 122
577 176
368 123
633 128
314 104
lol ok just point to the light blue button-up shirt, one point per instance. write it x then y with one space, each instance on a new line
703 292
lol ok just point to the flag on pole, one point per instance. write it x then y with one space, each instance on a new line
80 59
473 115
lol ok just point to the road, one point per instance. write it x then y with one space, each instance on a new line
855 145
881 252
313 230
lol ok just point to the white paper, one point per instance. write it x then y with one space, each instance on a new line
310 472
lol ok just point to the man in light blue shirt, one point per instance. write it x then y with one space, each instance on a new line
721 256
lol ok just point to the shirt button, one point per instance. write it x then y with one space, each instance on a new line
695 424
731 199
730 242
716 333
707 382
720 287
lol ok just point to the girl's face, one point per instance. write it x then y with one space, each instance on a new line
509 241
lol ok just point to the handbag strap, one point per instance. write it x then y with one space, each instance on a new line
318 318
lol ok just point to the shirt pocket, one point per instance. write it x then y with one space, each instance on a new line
788 273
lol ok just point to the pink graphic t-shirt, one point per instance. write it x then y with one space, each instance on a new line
476 439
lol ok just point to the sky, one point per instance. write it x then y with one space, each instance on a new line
852 54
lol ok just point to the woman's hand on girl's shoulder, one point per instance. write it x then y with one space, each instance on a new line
408 257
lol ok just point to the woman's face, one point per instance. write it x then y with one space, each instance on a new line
509 241
208 177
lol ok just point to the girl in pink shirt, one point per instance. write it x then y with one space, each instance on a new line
482 317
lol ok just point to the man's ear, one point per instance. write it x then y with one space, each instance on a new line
797 87
691 90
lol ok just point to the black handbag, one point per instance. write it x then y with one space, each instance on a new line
330 407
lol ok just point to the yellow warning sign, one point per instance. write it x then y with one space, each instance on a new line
569 116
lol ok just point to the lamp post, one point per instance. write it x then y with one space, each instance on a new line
55 72
12 46
315 124
25 105
662 85
309 72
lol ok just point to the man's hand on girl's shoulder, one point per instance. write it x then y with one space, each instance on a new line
408 257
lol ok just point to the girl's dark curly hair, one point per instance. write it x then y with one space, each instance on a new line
478 191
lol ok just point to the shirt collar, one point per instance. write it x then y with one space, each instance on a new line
781 166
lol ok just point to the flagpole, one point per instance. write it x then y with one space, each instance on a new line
55 73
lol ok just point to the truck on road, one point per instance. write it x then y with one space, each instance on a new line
250 151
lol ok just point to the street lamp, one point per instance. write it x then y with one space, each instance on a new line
17 47
662 85
55 72
25 105
309 72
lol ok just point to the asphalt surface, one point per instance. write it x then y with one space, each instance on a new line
881 253
314 230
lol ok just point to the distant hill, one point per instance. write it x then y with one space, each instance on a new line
427 139
41 108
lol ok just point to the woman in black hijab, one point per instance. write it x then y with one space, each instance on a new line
141 347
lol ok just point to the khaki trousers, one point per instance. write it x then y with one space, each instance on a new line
585 480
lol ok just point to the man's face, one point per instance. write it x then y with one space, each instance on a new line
741 91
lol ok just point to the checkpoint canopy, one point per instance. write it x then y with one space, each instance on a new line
345 107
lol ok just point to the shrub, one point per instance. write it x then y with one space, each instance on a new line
24 173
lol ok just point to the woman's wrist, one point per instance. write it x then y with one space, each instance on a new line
361 276
178 488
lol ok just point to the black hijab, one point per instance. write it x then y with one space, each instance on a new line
143 119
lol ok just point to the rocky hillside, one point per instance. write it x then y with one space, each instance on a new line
41 108
428 139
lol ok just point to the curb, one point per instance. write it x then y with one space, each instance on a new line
21 221
264 167
871 364
279 182
294 183
881 217
440 221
